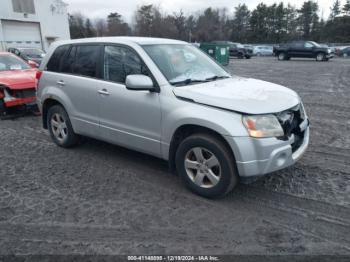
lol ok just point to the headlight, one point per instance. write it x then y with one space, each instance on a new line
263 126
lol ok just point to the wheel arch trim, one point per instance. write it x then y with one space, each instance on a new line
48 101
186 129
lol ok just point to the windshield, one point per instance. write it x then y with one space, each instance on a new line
184 64
10 62
315 44
33 52
239 45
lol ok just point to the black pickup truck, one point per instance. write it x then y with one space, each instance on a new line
305 49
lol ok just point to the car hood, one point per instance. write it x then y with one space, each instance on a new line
18 79
244 95
35 59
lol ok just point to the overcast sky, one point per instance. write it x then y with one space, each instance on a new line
101 8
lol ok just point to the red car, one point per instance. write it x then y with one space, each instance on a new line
17 82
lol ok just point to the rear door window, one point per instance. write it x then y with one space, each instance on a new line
55 61
86 60
298 45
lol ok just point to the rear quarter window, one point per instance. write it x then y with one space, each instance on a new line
55 60
68 62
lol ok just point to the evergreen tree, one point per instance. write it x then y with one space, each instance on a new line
77 25
144 19
208 26
346 7
280 14
241 23
335 10
258 24
308 18
116 25
291 23
275 23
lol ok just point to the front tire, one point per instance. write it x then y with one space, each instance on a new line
2 107
320 57
206 166
60 127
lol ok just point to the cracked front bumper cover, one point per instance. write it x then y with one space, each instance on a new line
256 157
20 101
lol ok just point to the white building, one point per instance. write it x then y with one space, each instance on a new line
32 23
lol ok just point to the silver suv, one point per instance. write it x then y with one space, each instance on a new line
169 99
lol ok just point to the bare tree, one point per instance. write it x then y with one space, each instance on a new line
179 21
101 27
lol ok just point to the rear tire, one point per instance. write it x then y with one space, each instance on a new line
282 56
206 166
60 127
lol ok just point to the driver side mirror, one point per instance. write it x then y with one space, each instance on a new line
139 83
32 64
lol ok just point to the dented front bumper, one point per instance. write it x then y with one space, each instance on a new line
255 157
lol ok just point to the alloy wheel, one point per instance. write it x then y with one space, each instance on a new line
281 56
59 127
202 167
320 57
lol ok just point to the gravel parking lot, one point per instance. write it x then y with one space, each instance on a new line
103 199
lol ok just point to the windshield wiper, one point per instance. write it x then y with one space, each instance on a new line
193 81
216 78
188 81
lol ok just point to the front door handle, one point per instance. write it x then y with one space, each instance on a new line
103 92
61 83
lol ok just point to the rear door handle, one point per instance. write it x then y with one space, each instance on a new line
103 92
61 83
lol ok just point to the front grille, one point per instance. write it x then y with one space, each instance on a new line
290 121
25 93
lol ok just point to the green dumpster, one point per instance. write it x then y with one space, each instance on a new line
220 52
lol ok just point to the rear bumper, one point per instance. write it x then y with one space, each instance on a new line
255 157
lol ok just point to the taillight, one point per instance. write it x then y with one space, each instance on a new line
39 74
